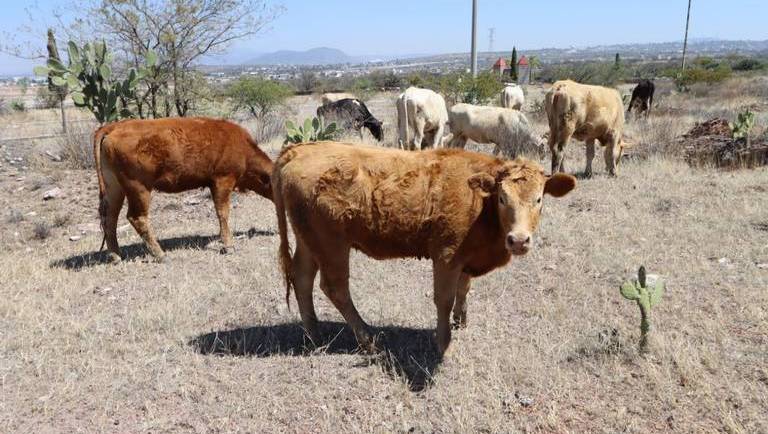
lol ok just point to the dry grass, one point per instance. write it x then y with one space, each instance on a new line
205 343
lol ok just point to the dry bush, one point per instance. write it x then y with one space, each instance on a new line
14 216
61 220
76 146
41 231
45 99
657 135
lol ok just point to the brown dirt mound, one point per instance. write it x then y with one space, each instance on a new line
710 143
712 127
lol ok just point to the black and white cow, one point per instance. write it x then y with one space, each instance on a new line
351 113
642 96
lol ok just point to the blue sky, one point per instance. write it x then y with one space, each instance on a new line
393 27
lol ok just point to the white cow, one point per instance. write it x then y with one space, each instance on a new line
508 129
512 97
424 113
330 97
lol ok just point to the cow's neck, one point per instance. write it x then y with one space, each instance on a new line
484 247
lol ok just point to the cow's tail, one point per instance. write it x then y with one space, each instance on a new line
282 226
560 106
404 125
98 138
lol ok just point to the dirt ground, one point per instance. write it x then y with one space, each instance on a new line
205 343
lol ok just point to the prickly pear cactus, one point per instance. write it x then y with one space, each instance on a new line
646 297
91 82
314 129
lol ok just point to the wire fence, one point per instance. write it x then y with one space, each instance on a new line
52 129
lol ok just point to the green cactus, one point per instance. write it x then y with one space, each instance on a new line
743 125
312 131
91 82
646 297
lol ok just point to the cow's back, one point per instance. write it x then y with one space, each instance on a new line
585 111
174 155
386 203
427 104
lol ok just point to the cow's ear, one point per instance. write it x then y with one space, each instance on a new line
484 183
559 184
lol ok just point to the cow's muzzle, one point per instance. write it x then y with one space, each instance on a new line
518 244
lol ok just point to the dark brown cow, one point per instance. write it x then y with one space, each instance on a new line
467 212
135 157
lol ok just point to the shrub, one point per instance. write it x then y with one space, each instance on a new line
41 231
46 99
709 75
18 105
75 147
748 64
600 73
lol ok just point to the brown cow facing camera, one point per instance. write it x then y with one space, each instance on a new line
467 212
135 157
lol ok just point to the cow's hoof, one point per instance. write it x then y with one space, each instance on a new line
227 250
114 258
160 259
459 324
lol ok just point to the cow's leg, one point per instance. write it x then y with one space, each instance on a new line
109 211
221 191
590 157
460 305
334 281
138 216
418 135
612 154
304 271
445 282
437 139
557 147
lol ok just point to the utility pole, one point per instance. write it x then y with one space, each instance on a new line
685 41
474 38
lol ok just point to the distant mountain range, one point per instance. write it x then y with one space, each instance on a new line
314 56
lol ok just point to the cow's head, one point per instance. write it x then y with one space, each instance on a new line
517 189
376 128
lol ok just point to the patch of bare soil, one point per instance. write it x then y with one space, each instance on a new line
710 143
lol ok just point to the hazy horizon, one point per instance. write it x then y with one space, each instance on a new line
403 28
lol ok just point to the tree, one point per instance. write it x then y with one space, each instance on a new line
533 63
181 32
513 65
259 96
617 62
307 82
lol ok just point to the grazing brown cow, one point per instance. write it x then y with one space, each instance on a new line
135 157
467 212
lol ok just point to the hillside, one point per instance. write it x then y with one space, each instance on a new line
314 56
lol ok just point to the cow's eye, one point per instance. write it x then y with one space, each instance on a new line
538 201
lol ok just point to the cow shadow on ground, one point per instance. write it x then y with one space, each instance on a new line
139 250
407 354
